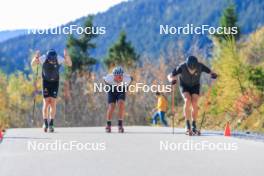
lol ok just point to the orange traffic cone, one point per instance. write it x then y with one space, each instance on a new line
227 130
1 135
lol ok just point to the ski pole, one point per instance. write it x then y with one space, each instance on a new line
172 106
206 103
34 103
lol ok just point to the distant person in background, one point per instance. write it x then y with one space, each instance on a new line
189 75
50 83
162 106
118 81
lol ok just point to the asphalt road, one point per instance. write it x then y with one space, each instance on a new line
141 151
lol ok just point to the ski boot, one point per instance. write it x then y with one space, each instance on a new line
120 126
188 128
108 129
45 126
108 126
194 129
51 129
121 129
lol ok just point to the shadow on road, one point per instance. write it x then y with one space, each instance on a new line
24 137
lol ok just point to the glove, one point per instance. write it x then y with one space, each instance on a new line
174 82
132 79
213 75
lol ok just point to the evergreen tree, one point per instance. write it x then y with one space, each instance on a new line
79 48
229 20
256 76
121 53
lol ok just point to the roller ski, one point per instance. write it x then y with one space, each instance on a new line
51 129
195 132
108 129
189 132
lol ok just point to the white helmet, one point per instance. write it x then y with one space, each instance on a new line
117 71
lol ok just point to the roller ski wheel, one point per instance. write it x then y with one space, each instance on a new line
108 129
121 129
51 129
197 133
45 128
189 132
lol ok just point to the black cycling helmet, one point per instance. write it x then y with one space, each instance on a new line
157 93
192 62
51 54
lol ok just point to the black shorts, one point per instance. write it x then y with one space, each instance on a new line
113 97
190 89
50 89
